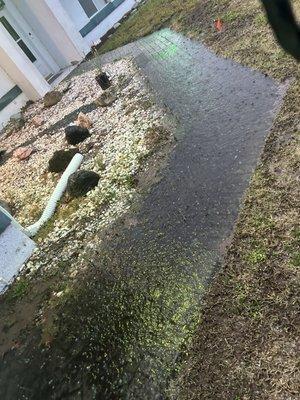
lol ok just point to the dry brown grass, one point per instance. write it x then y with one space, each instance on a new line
247 344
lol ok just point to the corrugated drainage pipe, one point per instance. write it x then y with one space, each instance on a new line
32 230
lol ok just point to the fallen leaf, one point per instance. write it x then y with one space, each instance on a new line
218 24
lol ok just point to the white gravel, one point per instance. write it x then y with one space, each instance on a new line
117 142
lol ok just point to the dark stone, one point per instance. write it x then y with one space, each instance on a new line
2 156
103 80
61 159
81 182
52 98
75 134
106 98
15 123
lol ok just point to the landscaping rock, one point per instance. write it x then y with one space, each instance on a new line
22 153
83 121
75 134
61 159
37 121
124 81
64 87
106 98
81 182
103 80
2 156
15 123
5 205
52 98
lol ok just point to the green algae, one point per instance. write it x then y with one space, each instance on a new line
170 51
128 324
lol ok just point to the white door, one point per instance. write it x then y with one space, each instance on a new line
18 31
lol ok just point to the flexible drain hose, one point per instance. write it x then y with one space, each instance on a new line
56 196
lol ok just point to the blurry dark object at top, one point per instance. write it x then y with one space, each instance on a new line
284 24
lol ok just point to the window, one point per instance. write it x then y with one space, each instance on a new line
89 7
9 97
17 38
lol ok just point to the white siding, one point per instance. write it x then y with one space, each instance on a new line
95 35
76 13
5 83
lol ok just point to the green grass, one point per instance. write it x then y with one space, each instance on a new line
63 212
18 290
230 16
256 256
151 16
296 259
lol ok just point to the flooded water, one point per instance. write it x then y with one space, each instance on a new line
124 328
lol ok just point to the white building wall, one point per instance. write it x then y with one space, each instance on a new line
18 12
76 13
19 68
13 107
95 35
64 20
37 28
56 25
6 83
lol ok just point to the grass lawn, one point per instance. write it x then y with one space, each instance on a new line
246 344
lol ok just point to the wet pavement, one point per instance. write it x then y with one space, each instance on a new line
122 333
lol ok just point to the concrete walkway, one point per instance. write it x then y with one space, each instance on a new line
143 316
224 112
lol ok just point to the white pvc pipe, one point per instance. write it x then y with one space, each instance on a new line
56 196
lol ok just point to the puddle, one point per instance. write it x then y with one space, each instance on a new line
124 327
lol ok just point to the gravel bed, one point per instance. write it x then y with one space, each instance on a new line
119 144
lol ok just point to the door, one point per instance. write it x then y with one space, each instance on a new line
17 31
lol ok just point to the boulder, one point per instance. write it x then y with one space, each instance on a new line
52 98
75 134
61 159
106 98
81 182
103 80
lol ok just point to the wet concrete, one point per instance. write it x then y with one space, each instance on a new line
123 330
